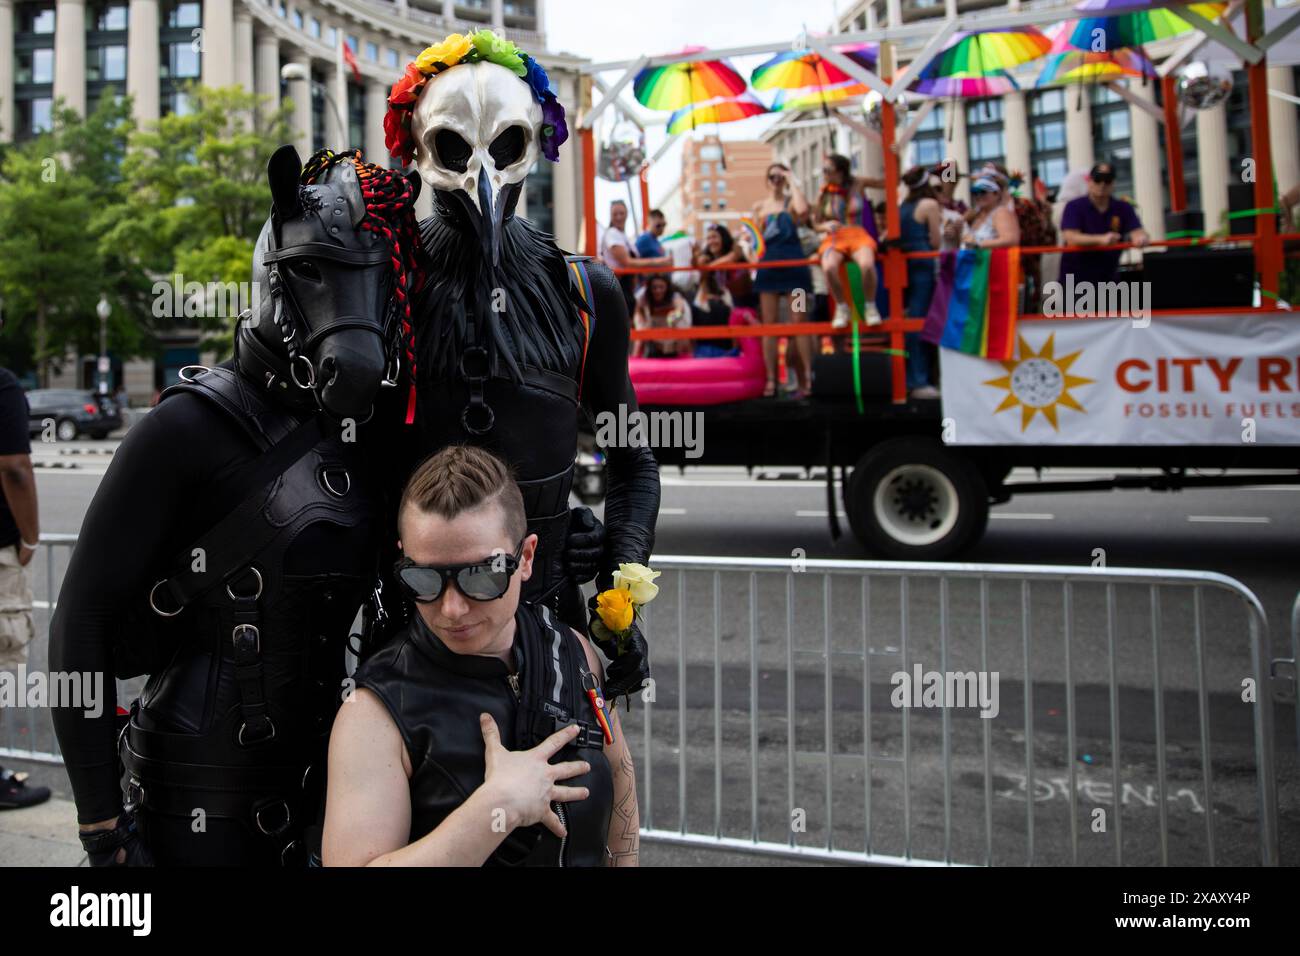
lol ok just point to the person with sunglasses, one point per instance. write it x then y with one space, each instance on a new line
1098 219
479 735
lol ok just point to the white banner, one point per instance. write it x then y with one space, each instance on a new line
1198 380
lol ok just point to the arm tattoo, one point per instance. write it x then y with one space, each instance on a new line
625 823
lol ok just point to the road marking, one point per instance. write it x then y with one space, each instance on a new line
812 514
1228 519
672 511
1022 515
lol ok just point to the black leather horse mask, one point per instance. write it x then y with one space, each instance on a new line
330 317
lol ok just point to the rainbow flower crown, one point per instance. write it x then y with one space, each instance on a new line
480 46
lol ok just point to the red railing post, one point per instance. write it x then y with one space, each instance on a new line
1173 147
1268 250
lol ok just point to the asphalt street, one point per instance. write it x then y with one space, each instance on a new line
721 755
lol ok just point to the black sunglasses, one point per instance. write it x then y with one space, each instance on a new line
483 581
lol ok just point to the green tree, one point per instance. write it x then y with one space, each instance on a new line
197 196
49 266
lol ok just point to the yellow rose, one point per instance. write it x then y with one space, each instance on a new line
615 609
450 51
638 581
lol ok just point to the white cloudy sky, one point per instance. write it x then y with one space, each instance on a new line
605 30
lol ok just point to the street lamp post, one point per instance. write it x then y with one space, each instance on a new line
296 71
103 310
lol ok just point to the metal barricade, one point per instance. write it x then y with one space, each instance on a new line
757 661
787 745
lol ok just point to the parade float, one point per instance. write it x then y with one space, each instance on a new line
1199 386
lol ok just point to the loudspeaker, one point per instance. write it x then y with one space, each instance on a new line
833 377
1195 277
1180 224
1241 196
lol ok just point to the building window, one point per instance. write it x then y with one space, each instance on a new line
722 203
33 116
390 57
706 185
354 43
706 205
332 36
1111 137
539 190
296 19
1047 142
280 10
929 143
356 114
35 18
313 27
372 51
106 63
182 62
984 131
720 186
35 66
110 16
188 14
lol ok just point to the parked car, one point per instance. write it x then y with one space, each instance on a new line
75 412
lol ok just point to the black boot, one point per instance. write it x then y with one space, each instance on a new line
15 794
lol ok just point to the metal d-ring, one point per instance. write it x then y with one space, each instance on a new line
293 371
156 609
390 378
181 373
474 429
235 597
329 485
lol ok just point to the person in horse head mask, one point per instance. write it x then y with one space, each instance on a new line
442 754
231 542
513 337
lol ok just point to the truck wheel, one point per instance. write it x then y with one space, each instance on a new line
911 499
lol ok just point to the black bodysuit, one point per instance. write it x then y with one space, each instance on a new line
168 483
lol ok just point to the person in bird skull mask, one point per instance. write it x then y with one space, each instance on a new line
513 336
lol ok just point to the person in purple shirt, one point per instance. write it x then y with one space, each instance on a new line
1098 219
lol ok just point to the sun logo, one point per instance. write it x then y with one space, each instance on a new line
1039 382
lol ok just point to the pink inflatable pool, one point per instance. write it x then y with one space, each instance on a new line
702 381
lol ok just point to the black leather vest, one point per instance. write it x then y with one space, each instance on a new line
189 743
435 697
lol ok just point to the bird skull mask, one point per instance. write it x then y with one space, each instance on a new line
476 130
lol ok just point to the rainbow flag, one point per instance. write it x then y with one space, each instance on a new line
976 302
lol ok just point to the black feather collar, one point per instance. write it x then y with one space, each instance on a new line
524 314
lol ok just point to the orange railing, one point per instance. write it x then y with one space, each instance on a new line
896 328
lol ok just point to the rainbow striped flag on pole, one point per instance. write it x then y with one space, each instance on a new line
975 302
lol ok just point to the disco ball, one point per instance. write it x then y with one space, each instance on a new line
871 108
622 155
1203 86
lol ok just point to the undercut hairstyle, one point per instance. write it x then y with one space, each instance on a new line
461 478
658 214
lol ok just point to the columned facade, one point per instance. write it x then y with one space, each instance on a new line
70 53
142 56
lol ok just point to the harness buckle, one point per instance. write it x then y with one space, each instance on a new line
247 640
283 825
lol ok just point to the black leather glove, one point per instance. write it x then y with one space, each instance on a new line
104 846
584 544
629 668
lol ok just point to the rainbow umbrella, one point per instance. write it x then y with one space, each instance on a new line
805 74
805 99
679 85
726 110
1083 66
987 52
972 87
1137 25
